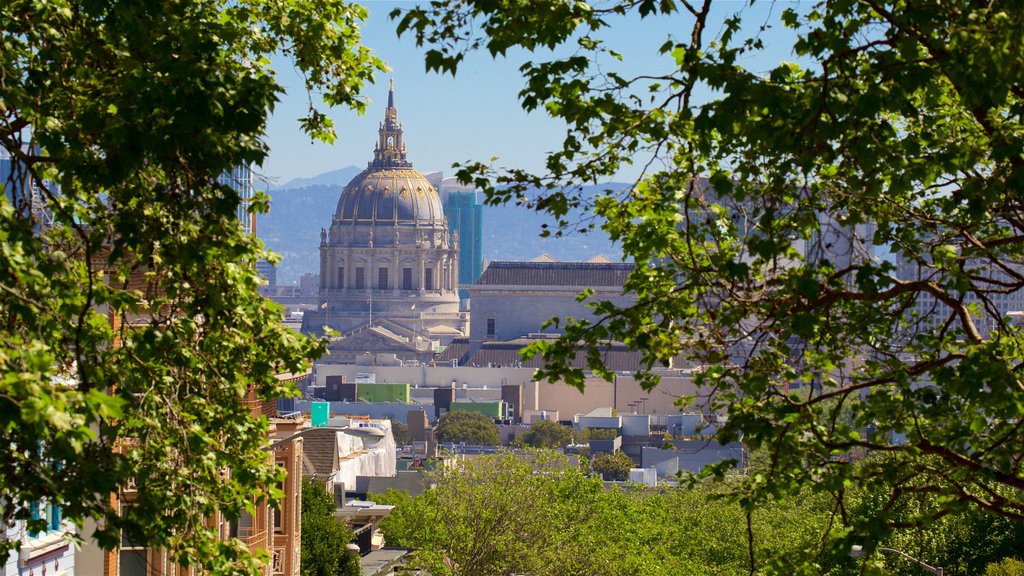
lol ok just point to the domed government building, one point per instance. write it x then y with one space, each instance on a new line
388 266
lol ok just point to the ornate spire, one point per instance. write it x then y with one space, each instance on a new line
390 150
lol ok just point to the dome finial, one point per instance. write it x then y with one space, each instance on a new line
390 149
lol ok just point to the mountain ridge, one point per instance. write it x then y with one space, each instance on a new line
302 206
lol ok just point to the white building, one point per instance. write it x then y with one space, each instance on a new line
48 552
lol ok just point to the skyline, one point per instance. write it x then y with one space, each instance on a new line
474 116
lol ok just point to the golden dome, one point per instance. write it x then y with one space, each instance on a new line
389 190
389 195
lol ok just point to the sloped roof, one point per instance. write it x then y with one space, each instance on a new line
319 451
373 338
409 481
582 274
506 353
454 351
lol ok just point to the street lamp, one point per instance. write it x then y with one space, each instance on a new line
857 551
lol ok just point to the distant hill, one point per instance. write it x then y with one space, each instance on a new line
513 233
297 213
338 177
292 227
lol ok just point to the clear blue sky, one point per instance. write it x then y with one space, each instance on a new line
476 115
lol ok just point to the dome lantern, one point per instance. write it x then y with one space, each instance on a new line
390 191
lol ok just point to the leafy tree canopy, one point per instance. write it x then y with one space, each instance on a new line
483 514
1006 567
401 432
846 226
324 537
131 324
612 466
468 427
547 434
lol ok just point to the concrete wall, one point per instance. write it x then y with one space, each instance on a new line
661 400
636 425
686 424
431 376
692 455
645 476
383 392
612 422
605 446
470 382
518 311
376 411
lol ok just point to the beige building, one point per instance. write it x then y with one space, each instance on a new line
484 383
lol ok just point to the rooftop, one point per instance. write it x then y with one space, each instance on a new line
581 274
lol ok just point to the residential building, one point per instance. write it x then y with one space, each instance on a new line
47 552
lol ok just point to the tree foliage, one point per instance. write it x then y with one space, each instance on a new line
538 514
963 543
401 432
612 466
663 530
1005 567
547 434
323 536
131 324
844 227
468 427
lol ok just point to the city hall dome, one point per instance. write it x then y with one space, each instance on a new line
389 195
388 259
389 191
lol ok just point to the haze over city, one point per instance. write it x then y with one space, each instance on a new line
781 335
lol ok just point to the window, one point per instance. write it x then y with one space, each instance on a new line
382 278
428 279
132 561
490 327
50 513
277 512
406 278
243 527
34 508
53 513
132 558
360 278
341 276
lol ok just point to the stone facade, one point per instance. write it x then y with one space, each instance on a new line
388 254
515 299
